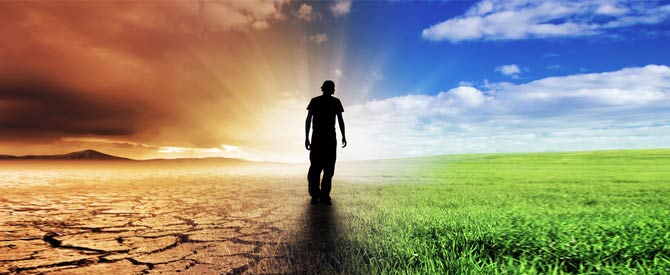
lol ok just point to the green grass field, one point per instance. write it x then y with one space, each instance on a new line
603 212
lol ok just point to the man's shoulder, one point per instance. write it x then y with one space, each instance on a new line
333 99
337 101
325 99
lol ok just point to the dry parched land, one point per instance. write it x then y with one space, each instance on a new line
143 222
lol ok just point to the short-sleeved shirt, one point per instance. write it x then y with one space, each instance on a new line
324 108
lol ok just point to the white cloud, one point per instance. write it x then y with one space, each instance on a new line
611 9
627 108
305 13
523 19
318 38
232 14
626 88
341 7
509 70
464 97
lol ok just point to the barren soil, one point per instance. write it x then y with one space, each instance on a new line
154 222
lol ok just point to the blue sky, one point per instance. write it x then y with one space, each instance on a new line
392 33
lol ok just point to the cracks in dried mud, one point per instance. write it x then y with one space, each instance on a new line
206 228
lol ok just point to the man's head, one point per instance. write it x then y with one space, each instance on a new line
328 87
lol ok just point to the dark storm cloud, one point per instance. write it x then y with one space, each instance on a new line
169 73
38 109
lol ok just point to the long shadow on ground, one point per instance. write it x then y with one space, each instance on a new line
316 247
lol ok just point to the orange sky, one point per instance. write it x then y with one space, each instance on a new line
145 80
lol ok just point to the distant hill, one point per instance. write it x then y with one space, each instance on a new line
79 155
95 155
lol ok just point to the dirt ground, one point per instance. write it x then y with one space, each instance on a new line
156 222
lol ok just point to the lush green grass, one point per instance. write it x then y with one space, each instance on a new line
605 212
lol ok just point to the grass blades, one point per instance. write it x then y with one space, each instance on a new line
604 212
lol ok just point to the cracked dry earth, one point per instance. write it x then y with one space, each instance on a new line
126 221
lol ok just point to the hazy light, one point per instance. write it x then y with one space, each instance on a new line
171 150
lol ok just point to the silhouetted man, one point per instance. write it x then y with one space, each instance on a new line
322 110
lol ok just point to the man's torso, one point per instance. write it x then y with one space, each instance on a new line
324 110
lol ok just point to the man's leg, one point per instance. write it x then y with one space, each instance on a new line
328 172
313 180
314 175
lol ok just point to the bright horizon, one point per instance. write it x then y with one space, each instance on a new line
233 78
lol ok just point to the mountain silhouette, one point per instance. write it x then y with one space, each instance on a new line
93 155
78 155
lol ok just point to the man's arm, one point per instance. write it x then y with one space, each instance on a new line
340 121
308 123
